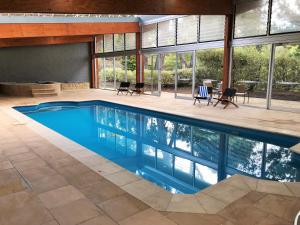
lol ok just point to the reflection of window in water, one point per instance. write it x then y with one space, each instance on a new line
183 137
148 155
279 164
101 114
206 174
121 144
245 155
165 162
151 128
131 147
132 123
183 165
166 133
148 150
120 116
107 138
111 117
205 144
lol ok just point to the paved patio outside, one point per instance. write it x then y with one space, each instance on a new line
42 184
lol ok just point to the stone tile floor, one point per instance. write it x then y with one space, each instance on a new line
40 184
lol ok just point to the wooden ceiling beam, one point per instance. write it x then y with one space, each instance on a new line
16 42
134 7
64 29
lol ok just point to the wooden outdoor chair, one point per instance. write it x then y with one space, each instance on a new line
138 88
124 87
227 98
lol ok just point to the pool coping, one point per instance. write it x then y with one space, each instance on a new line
210 200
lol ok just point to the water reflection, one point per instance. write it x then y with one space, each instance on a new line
184 158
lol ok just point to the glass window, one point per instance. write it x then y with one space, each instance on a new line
99 44
166 33
101 72
209 67
212 28
131 69
108 43
285 16
250 74
109 75
184 74
130 41
120 70
251 18
187 29
167 72
286 78
119 42
151 72
149 36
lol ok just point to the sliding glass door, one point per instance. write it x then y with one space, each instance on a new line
109 73
167 72
285 92
152 74
184 85
250 69
100 65
120 70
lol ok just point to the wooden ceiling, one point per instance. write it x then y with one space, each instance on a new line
58 33
19 30
134 7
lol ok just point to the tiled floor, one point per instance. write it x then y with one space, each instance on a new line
41 184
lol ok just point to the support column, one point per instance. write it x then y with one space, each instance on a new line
270 75
227 50
93 83
139 60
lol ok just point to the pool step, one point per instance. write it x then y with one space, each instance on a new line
44 92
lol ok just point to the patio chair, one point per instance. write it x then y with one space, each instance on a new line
241 91
227 98
124 87
218 89
204 92
137 88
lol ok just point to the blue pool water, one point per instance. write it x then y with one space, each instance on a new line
180 154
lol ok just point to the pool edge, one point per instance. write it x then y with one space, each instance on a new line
193 203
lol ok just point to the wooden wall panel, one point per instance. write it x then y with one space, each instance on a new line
64 29
163 7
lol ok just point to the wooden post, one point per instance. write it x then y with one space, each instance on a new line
139 60
94 75
227 50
